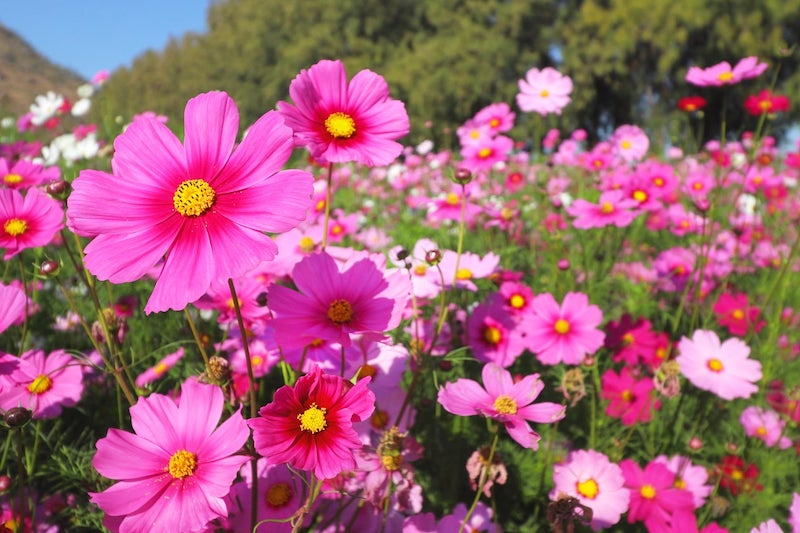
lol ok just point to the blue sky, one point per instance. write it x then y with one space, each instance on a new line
91 35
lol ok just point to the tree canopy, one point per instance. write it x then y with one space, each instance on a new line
448 58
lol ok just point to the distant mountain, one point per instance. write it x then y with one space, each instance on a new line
25 73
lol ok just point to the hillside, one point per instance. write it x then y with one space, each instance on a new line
24 73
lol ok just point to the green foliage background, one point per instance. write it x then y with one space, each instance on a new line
448 58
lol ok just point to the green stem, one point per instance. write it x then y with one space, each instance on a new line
196 335
328 199
481 481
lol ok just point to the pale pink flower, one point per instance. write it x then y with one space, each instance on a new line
764 424
722 73
544 91
42 383
12 305
567 332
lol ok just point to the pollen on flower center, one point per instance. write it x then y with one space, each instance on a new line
193 198
626 395
544 93
516 301
715 365
420 270
587 489
492 335
452 199
159 369
606 208
340 125
313 419
463 274
561 326
648 492
278 495
306 244
725 76
639 196
15 227
12 179
391 462
340 311
626 144
505 405
182 464
483 153
40 385
679 483
737 314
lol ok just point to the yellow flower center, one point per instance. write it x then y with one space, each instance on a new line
313 419
420 270
606 208
12 179
725 76
193 198
340 311
737 314
761 431
159 369
182 464
658 181
505 405
679 483
639 196
15 227
561 326
715 365
379 419
492 335
256 360
587 489
544 93
626 395
483 153
626 144
494 122
40 385
391 462
306 244
517 301
697 185
463 274
737 474
278 494
648 492
628 339
452 199
340 125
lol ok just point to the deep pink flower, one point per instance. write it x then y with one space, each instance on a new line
27 221
503 400
158 370
24 174
721 368
43 384
766 102
494 336
487 153
613 208
630 399
174 472
12 308
690 477
735 313
544 91
335 302
203 205
722 73
567 332
310 425
340 121
654 497
498 117
597 483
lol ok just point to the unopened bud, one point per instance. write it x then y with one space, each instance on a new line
462 176
58 189
49 268
433 257
16 417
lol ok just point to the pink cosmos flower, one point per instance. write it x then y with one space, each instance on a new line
498 117
174 472
280 494
564 333
721 368
794 513
693 478
654 497
470 266
764 424
494 335
486 154
722 73
12 308
770 526
27 221
630 399
310 425
159 369
335 302
24 174
613 208
479 522
503 400
630 142
544 91
203 205
735 313
596 482
43 384
340 121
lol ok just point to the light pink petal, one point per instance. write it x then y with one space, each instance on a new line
329 80
497 380
227 440
129 497
148 418
464 397
148 153
12 307
527 389
234 250
211 123
542 413
520 431
199 411
126 456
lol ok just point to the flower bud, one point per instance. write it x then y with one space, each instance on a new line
58 189
49 268
16 417
433 257
462 176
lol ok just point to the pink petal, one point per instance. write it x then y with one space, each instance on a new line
211 123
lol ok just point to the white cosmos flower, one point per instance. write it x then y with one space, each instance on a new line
45 107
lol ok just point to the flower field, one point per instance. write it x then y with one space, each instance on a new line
311 323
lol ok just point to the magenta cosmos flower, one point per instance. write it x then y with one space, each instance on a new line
43 384
564 333
335 302
27 221
721 368
722 73
310 425
12 308
340 121
613 208
654 496
202 205
597 483
174 472
544 91
510 403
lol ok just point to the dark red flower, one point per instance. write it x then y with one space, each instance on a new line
690 104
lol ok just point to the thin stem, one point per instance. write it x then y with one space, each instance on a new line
481 482
253 405
196 335
27 308
21 494
461 226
